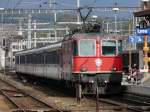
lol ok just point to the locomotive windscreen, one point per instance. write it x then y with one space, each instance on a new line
87 47
109 48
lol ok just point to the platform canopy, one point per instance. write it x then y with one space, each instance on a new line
143 13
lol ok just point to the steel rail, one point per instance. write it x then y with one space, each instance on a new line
9 99
123 105
27 94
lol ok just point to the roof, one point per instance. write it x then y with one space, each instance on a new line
39 50
98 35
142 13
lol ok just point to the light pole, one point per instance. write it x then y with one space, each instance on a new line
2 17
35 34
115 9
29 31
54 3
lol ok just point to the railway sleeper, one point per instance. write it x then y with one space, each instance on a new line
35 110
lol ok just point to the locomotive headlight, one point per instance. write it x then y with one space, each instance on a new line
106 81
91 81
114 69
123 73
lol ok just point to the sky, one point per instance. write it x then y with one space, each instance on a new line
64 3
69 4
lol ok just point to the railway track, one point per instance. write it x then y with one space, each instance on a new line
119 104
128 103
114 104
22 101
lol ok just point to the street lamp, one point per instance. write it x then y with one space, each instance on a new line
115 9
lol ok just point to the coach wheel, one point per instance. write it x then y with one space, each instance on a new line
78 92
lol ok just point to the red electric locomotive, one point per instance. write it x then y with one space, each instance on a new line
93 60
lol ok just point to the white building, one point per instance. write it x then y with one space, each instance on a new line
14 47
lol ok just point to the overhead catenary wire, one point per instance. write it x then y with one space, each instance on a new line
19 2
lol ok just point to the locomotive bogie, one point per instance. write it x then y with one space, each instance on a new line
104 81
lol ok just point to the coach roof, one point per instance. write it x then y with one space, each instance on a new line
38 50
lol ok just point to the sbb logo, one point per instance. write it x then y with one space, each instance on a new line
98 62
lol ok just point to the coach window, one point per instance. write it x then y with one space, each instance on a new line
17 60
87 47
41 58
33 59
54 53
38 59
28 59
48 58
109 47
57 57
22 59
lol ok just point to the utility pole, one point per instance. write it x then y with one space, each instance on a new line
55 20
2 20
107 27
78 13
115 9
29 32
53 3
34 33
20 27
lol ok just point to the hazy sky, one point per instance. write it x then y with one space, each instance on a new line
64 3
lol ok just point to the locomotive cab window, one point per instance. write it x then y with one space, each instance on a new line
109 47
75 48
87 47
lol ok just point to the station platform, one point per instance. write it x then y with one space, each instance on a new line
139 88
